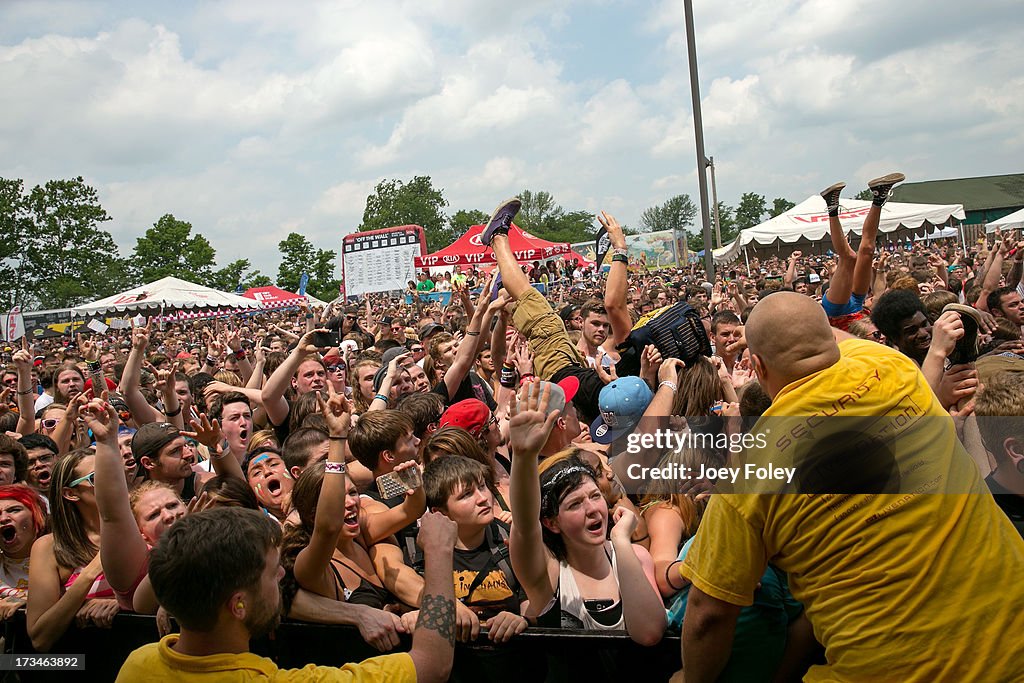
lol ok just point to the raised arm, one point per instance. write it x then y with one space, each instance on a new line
25 391
313 562
381 400
992 275
123 551
642 608
790 277
433 642
208 433
469 348
233 340
530 427
277 384
618 275
130 379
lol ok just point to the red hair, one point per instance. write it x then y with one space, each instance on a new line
30 499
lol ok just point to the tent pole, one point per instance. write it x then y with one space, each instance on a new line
747 260
963 239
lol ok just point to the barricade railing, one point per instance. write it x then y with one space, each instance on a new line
537 654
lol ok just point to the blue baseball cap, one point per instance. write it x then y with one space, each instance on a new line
622 403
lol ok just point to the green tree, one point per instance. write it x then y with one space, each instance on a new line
864 195
15 225
463 220
68 258
751 210
727 223
236 274
170 249
542 216
414 203
677 213
299 256
781 205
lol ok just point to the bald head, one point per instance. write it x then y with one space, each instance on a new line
790 335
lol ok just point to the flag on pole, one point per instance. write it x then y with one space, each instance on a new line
602 245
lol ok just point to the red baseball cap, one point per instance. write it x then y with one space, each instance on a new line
470 414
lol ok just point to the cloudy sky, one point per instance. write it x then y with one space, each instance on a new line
252 119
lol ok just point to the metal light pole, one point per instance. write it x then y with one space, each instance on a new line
698 134
714 204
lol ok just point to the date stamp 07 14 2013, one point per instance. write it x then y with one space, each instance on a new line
42 662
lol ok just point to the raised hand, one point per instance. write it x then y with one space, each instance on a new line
625 523
101 418
615 236
337 411
206 432
90 349
531 422
606 375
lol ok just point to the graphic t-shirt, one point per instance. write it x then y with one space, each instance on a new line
885 576
492 592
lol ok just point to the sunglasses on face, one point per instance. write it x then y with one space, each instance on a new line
338 367
91 478
48 423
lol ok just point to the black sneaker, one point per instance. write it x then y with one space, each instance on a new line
881 188
831 196
501 220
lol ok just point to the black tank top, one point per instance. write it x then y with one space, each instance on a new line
366 593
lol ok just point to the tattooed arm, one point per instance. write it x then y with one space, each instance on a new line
433 642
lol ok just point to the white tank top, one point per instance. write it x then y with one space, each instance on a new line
571 601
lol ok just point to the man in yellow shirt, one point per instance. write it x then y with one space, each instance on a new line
909 572
234 552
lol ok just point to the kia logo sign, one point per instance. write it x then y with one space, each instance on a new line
475 240
451 259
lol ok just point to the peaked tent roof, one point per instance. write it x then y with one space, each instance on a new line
167 294
273 297
468 251
1015 221
808 222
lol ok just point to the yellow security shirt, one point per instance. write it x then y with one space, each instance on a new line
159 663
917 576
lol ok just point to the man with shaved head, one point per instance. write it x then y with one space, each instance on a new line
888 536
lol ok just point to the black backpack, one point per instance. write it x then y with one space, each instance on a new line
675 330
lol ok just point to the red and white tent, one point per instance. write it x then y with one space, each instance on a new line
274 297
468 251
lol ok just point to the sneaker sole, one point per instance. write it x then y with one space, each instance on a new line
513 205
890 179
832 188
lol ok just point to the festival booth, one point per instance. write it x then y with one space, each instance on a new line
805 227
271 297
469 251
1015 221
167 295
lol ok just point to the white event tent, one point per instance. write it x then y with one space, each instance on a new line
806 224
1015 221
163 296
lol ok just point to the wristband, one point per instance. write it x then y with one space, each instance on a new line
527 378
174 413
668 574
472 334
338 438
240 354
211 361
619 251
668 383
309 316
507 378
334 468
26 392
382 397
620 258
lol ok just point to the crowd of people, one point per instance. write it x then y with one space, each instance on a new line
457 472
